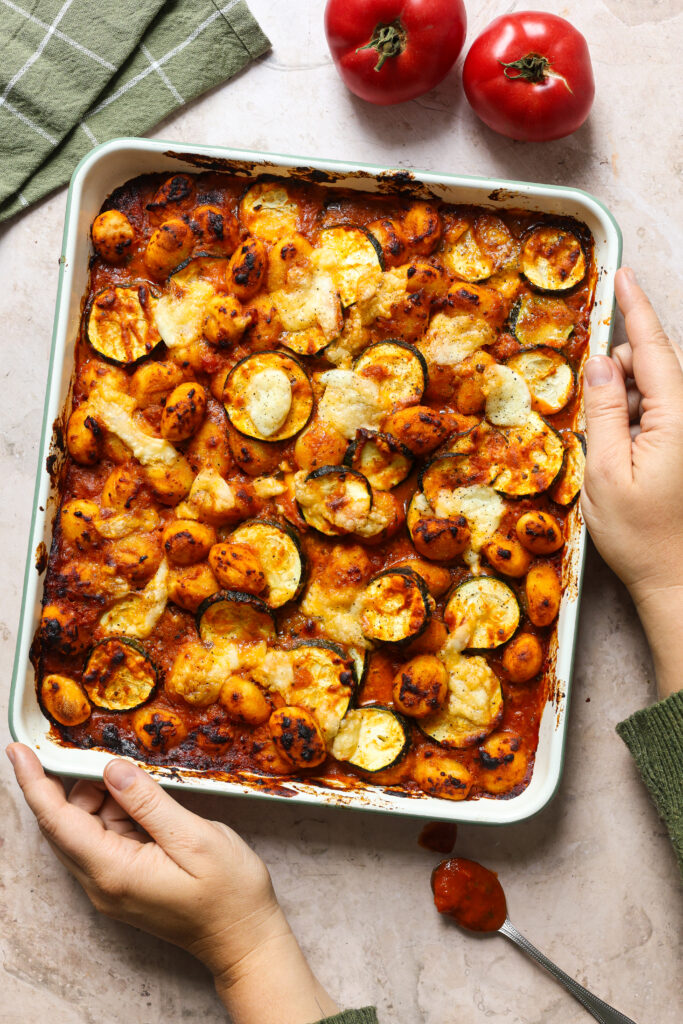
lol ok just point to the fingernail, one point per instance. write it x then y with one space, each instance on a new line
628 273
120 774
11 753
598 371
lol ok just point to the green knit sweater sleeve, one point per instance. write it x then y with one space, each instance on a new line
655 738
365 1016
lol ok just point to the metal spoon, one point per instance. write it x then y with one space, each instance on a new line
473 896
598 1008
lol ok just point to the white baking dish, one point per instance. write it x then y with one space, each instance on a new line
112 164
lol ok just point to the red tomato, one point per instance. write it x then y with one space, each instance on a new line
388 51
529 76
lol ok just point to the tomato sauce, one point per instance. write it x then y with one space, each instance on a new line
214 743
470 894
439 836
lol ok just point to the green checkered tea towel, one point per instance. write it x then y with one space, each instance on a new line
74 73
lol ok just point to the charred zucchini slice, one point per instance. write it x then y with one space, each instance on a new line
549 377
323 678
119 674
310 312
398 370
535 455
181 310
474 705
396 606
570 479
483 611
121 323
353 257
267 210
382 460
371 738
268 396
234 615
541 320
553 259
280 555
334 499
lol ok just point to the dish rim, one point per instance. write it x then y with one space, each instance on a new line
463 811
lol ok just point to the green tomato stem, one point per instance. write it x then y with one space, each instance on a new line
387 40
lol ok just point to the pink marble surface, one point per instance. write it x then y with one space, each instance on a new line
592 880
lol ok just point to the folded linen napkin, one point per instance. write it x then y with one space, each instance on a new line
74 73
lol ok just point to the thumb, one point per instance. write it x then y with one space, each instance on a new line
607 423
174 828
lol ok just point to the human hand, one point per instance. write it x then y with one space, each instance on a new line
632 498
187 880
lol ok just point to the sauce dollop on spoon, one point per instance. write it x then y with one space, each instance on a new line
469 893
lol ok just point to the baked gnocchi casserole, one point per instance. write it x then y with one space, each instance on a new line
318 464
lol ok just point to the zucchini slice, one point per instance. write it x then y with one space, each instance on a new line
310 312
570 479
382 460
474 704
534 459
323 677
483 611
548 375
334 499
371 738
234 615
279 552
121 324
353 257
268 396
361 664
553 260
480 250
398 370
466 259
181 310
119 674
268 211
541 320
396 606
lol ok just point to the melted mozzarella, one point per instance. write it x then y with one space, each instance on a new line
390 290
481 506
450 339
483 509
508 401
350 402
116 417
137 614
180 313
121 525
211 497
268 400
338 613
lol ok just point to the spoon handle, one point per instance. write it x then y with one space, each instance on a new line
598 1008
